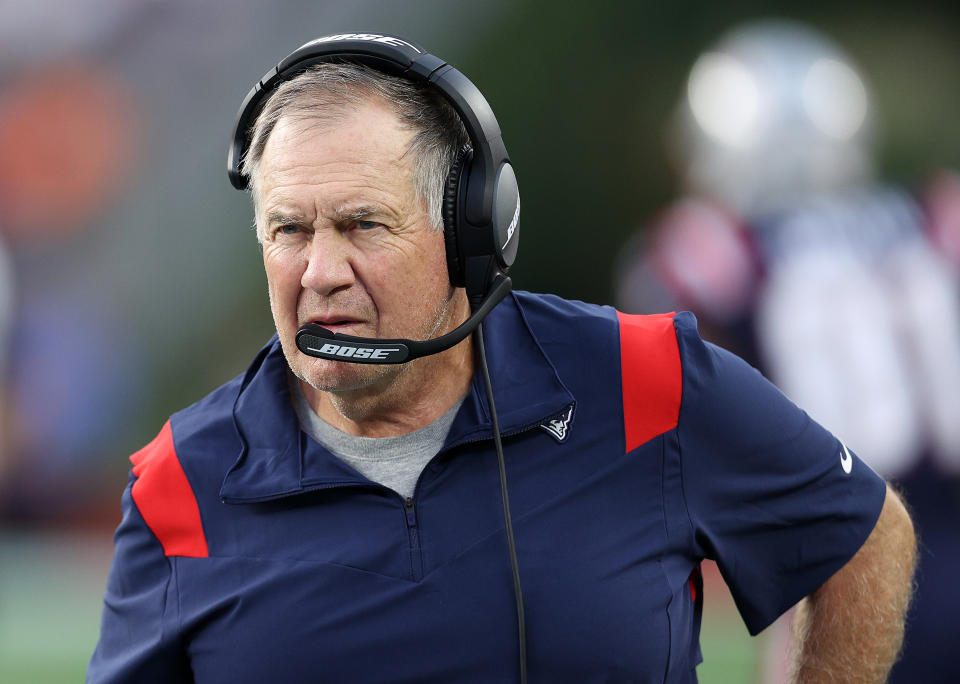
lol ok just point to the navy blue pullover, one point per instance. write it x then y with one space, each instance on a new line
247 553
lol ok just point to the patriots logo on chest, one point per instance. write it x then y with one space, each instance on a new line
559 427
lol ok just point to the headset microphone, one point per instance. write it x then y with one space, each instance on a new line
315 340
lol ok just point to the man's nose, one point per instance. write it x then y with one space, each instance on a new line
329 264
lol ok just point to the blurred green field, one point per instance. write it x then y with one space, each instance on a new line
51 587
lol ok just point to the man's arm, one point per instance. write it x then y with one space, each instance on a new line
139 641
851 628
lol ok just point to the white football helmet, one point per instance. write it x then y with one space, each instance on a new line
773 113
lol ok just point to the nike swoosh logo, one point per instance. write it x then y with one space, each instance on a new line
846 460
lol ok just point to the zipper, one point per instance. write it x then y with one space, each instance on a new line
408 507
413 534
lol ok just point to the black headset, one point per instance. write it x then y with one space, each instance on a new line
481 203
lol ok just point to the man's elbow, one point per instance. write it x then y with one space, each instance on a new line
894 508
883 567
894 538
851 628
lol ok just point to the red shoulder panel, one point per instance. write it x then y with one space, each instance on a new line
165 499
652 380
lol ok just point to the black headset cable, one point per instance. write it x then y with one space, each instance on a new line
511 544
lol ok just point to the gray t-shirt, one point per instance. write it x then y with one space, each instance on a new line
395 462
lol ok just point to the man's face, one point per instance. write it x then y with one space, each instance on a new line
346 242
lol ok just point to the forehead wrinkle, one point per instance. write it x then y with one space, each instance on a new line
369 180
281 157
287 181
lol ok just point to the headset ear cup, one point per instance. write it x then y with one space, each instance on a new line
451 193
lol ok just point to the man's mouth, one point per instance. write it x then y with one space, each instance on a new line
336 324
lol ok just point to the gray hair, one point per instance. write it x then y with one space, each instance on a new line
324 92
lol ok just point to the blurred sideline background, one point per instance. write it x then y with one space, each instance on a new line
131 282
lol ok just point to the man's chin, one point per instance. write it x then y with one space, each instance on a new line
338 376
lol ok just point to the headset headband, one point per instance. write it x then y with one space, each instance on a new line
398 57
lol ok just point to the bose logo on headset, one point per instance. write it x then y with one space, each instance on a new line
375 37
357 352
513 224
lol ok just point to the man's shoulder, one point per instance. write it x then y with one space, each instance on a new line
182 465
559 308
553 320
547 313
617 363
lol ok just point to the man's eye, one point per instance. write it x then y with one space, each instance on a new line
289 229
366 225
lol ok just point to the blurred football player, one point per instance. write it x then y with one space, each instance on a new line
842 289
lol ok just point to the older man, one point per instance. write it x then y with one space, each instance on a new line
318 519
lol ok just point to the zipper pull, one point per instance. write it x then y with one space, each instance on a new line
410 511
